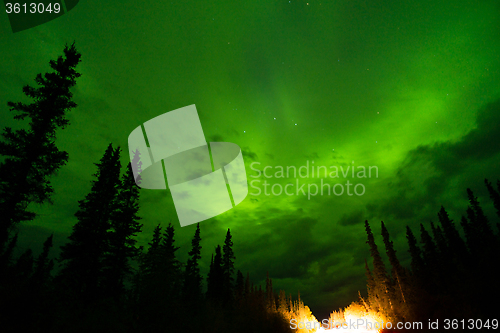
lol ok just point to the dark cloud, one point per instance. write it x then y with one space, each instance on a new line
352 218
248 154
428 171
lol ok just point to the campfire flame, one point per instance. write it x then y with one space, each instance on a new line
355 318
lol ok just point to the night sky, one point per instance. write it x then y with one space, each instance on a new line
411 87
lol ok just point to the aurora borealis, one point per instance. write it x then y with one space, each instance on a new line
412 88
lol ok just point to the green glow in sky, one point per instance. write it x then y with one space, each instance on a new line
409 87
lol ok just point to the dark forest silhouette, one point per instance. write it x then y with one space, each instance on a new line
451 277
107 283
97 288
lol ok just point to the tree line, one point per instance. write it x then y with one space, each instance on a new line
450 277
106 282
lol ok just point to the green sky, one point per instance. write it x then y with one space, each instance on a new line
412 88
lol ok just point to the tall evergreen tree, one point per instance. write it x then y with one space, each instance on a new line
169 248
31 155
380 274
150 260
470 236
160 267
215 281
171 264
192 278
494 195
228 268
208 294
399 281
440 241
444 260
397 269
472 233
83 257
456 244
417 263
122 243
487 250
430 256
483 225
370 283
160 283
383 287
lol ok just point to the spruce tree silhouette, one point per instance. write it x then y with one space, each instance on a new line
192 295
431 260
382 282
417 262
397 270
494 195
449 276
160 283
32 155
171 266
215 279
122 243
457 248
228 269
83 257
398 283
